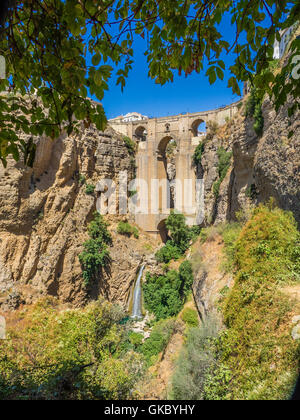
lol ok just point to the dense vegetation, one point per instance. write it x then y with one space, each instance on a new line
125 228
130 144
73 354
255 357
166 294
254 109
90 189
95 256
199 374
224 159
197 157
158 340
257 345
181 236
190 317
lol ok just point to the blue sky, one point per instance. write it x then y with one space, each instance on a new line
191 94
141 94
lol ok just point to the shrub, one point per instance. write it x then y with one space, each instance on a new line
124 228
74 354
195 231
90 189
131 146
258 120
82 180
224 159
158 340
95 255
198 154
168 252
179 231
186 277
230 236
254 109
132 193
190 317
166 294
195 375
136 339
257 313
181 236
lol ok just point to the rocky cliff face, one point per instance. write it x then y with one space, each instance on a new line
262 167
44 212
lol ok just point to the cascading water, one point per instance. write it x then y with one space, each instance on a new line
137 296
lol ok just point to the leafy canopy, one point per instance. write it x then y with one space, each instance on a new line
48 44
165 295
68 355
95 257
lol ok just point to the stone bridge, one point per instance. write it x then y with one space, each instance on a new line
153 165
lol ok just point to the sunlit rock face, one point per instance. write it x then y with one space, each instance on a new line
44 213
262 167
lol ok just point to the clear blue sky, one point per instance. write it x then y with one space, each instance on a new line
191 94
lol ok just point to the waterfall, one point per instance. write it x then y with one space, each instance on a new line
137 296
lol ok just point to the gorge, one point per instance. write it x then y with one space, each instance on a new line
188 274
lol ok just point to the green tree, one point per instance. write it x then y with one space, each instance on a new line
68 355
179 231
48 44
165 295
95 255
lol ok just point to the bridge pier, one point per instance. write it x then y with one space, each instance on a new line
151 163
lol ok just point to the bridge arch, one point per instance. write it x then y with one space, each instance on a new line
163 231
198 127
163 143
166 171
141 133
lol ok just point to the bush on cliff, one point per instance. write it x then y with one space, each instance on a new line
130 144
257 345
95 255
165 294
73 354
125 228
168 252
181 236
254 109
158 340
224 159
199 374
190 317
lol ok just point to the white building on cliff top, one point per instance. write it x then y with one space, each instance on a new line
132 116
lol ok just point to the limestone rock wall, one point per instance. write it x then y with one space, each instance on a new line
261 168
44 212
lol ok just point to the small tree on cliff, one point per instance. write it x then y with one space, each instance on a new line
95 257
179 231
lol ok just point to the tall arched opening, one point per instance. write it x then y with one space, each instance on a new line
199 128
163 231
141 133
166 172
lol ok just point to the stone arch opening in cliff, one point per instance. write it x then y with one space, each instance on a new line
141 133
199 128
166 168
163 231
